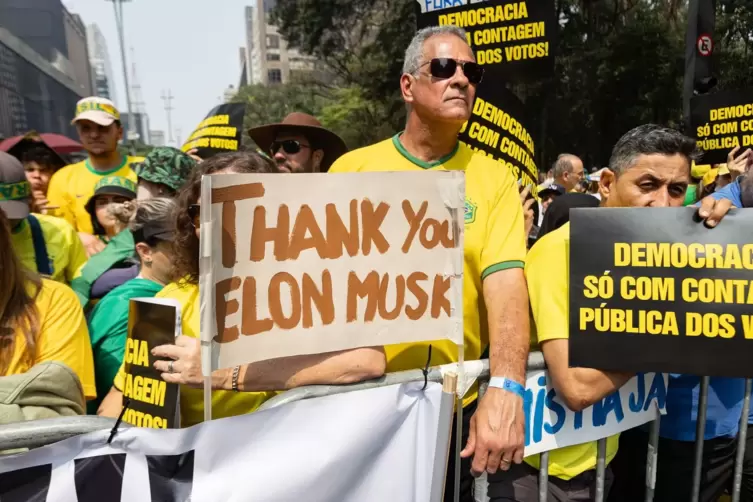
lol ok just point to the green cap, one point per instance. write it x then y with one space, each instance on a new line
166 166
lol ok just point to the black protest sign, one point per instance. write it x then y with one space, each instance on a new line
219 132
671 296
722 121
513 40
496 128
154 402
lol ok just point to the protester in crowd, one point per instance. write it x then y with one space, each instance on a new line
546 196
43 244
98 124
649 167
558 212
110 191
40 163
299 144
152 225
40 322
253 382
163 172
438 85
568 171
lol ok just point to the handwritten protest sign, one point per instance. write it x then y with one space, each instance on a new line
672 296
221 131
513 39
313 263
154 402
550 424
721 121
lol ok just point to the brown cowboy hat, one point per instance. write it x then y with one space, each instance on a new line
309 126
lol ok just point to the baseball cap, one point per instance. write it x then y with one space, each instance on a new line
98 110
15 191
553 189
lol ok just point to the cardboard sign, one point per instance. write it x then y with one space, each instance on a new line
513 39
154 403
672 296
722 121
550 424
314 263
497 129
221 131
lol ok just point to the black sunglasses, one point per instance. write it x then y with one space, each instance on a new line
444 68
290 146
194 212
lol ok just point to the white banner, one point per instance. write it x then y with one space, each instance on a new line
373 445
550 424
313 263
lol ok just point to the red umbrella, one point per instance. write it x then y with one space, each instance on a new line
57 142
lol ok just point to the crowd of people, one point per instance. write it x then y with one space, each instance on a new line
79 241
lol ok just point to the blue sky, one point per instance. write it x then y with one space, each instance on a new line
187 46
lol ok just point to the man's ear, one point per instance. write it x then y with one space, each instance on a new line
317 158
406 87
606 183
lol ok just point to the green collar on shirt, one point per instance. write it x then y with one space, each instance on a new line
420 163
89 166
19 227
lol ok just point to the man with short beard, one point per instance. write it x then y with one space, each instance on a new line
98 124
299 144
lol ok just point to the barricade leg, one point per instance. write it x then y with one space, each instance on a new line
652 458
544 477
703 399
601 468
742 436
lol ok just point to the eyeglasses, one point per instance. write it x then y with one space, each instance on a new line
290 146
444 68
194 212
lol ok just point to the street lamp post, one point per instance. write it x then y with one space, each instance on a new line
118 6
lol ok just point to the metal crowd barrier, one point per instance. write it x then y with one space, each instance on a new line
37 433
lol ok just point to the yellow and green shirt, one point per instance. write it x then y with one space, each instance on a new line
494 238
547 274
62 337
64 248
224 403
72 186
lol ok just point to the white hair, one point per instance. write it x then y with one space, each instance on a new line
415 51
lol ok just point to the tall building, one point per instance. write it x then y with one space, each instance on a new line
141 127
99 57
44 69
157 137
269 60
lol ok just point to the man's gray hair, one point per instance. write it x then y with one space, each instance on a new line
563 164
415 51
650 139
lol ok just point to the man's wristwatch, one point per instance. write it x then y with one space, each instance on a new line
508 385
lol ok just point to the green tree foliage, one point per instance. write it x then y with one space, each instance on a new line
620 63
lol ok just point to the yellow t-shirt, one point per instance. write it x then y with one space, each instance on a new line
224 403
72 186
63 336
547 274
494 239
64 248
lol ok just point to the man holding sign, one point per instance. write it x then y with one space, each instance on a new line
438 84
649 167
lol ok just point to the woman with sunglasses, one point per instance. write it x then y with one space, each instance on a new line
41 322
255 381
152 225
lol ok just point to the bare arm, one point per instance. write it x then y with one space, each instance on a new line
506 300
112 404
334 368
579 388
